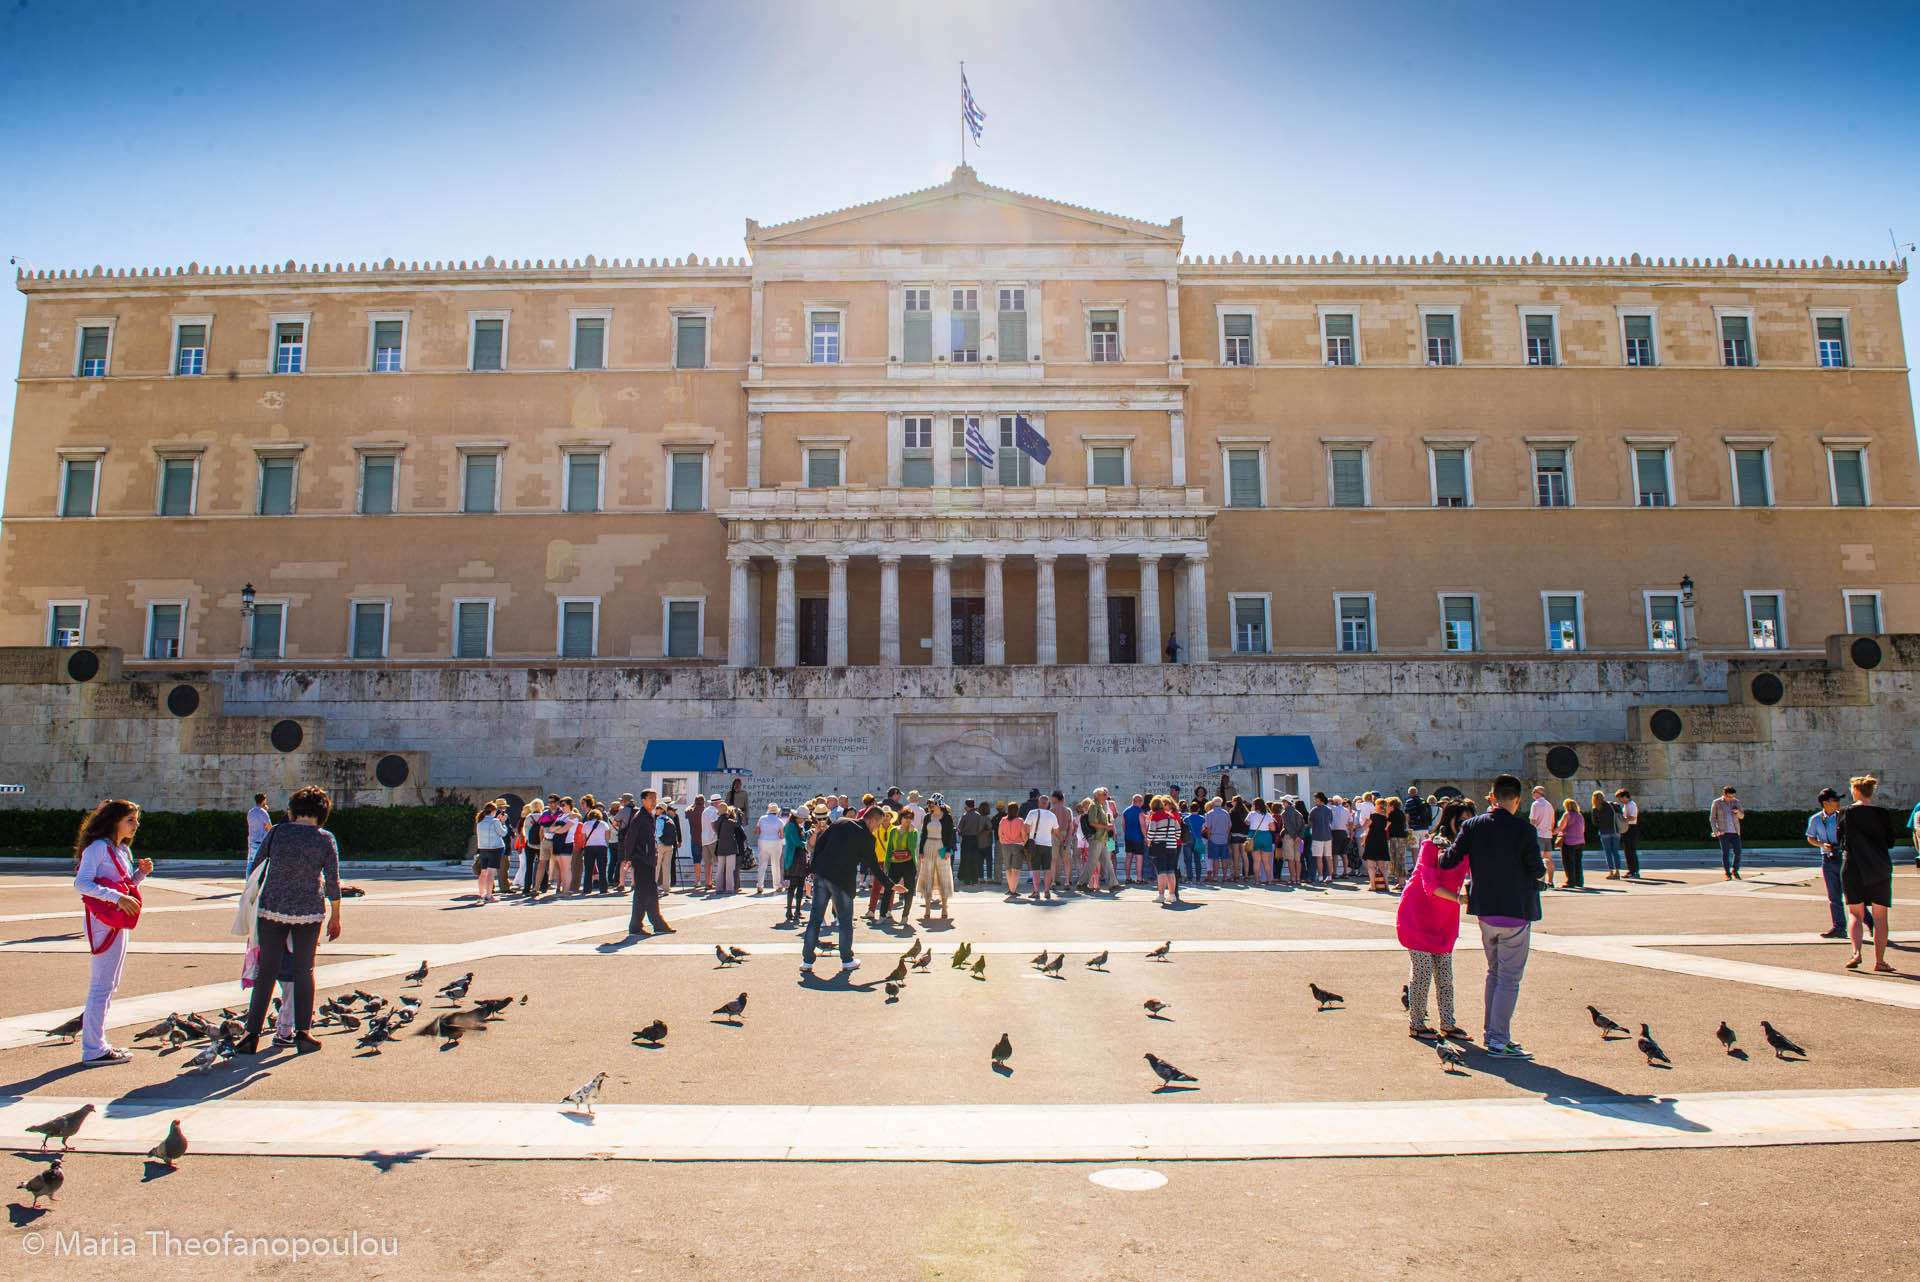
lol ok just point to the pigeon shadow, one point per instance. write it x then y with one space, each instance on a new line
226 1078
384 1162
1165 1019
44 939
1737 1053
1005 1070
1175 1088
1571 1091
935 925
21 1216
578 1118
730 1023
156 1170
1183 905
649 1046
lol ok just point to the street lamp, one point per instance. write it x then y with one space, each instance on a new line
1686 610
246 625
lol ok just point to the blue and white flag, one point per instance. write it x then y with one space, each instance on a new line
977 448
970 110
1031 441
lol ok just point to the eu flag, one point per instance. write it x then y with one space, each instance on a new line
1031 441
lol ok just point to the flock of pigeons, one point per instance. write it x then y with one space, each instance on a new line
1782 1045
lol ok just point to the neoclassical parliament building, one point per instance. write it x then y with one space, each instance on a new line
763 462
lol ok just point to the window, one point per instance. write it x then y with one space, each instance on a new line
1638 333
916 325
389 346
1236 338
1539 338
66 623
687 484
1563 621
1244 488
583 481
590 343
823 468
916 452
1336 329
369 639
683 625
964 326
93 350
1752 482
579 629
473 629
268 635
1459 622
1103 335
1015 465
1550 487
1349 473
1450 485
1249 623
79 486
1652 482
480 482
1013 324
1766 628
164 629
1848 472
1863 612
1736 340
1355 614
1107 465
690 342
1442 338
289 347
1664 622
190 349
488 344
963 468
277 485
177 476
1830 334
376 484
825 328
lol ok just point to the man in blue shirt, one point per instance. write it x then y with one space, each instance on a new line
1504 854
1823 835
1133 836
1320 832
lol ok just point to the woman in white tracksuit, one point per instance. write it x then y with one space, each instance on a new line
106 872
769 848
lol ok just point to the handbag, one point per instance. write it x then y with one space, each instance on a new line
112 915
246 917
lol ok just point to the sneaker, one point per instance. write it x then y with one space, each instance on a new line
1833 934
108 1056
806 968
851 964
1512 1050
305 1045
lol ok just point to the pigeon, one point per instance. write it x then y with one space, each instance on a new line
1451 1056
1154 1006
1605 1025
898 975
1324 997
491 1006
979 967
1781 1043
458 988
1002 1050
46 1184
923 961
176 1037
161 1029
417 976
1098 963
893 990
206 1059
1166 1072
195 1025
523 999
1053 967
915 951
1651 1049
653 1034
171 1149
583 1098
68 1030
1041 960
63 1127
233 1030
738 954
724 957
1406 1003
369 1000
379 1031
349 1022
1725 1035
734 1009
1160 953
454 1025
961 954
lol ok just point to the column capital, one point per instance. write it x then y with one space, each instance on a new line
993 558
890 558
1046 558
785 560
837 559
1149 558
1098 557
940 558
738 556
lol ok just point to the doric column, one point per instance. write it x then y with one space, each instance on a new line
996 610
836 612
1196 609
753 450
786 633
738 613
1046 647
1096 609
1150 644
943 610
890 610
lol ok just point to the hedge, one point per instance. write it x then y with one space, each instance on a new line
365 832
1759 825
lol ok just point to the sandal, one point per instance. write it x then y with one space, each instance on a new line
1854 964
1883 968
1456 1034
1422 1032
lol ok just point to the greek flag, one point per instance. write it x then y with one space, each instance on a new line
977 448
1031 441
970 110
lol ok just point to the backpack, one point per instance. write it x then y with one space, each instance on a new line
670 831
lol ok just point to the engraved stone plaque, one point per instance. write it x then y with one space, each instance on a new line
1010 754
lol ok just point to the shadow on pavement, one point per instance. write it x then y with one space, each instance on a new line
1582 1093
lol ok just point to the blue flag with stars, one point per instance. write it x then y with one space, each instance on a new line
1030 441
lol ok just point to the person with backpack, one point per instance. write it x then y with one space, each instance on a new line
667 834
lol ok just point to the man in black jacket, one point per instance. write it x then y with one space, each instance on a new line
1504 854
842 851
638 847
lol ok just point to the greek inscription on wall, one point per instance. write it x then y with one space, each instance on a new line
822 748
1121 745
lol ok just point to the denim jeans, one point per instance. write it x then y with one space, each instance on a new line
1506 948
1730 852
823 892
1610 843
1830 869
1190 860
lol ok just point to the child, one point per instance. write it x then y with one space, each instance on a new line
1429 925
107 877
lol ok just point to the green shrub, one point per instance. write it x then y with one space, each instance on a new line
365 832
1759 825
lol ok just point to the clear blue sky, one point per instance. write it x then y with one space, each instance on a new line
158 134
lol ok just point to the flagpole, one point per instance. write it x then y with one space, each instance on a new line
963 113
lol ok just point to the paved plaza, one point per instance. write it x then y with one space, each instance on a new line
834 1132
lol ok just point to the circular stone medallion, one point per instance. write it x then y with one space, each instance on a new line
1131 1179
391 770
1865 652
183 701
286 735
1666 725
1563 762
84 665
1768 689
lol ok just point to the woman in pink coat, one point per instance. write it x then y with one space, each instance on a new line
1429 925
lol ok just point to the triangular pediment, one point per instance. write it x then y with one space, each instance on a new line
963 211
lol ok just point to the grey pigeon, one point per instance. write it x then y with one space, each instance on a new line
349 1022
738 954
893 990
416 976
961 954
458 988
1651 1049
206 1059
491 1006
369 1000
454 1025
923 961
1167 1072
379 1031
898 975
1781 1043
734 1009
46 1184
583 1098
1451 1056
1605 1025
979 967
1154 1006
914 951
63 1127
1160 953
161 1029
1726 1036
233 1030
1053 967
723 957
176 1036
1002 1050
653 1033
1041 960
171 1149
1324 997
1098 963
68 1030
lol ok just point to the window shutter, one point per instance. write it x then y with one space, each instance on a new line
480 483
176 488
1550 460
1339 325
1239 325
1349 479
1863 613
690 351
683 630
1109 466
966 335
1440 326
1750 468
1540 327
266 632
196 335
1013 335
473 630
686 483
78 500
93 344
583 482
1640 327
1243 478
590 343
1734 328
486 344
1450 476
165 643
1651 469
576 632
1849 485
1563 621
376 485
368 623
917 334
1459 609
823 468
916 472
276 487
